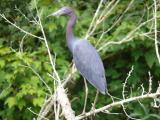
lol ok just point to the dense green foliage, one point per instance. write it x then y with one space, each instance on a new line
21 88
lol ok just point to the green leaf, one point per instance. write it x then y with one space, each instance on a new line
21 104
4 50
11 101
5 92
137 54
150 58
38 101
113 73
2 63
2 75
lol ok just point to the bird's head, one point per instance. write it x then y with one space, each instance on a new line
63 11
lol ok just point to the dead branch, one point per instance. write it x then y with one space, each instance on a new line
151 95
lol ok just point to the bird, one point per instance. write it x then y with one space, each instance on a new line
85 56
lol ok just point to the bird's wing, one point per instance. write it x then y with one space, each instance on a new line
90 65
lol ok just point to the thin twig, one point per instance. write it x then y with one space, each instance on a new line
151 95
95 100
35 72
115 23
21 44
60 93
36 113
94 18
99 20
86 96
105 15
150 82
124 110
22 30
47 46
17 9
142 89
124 84
126 39
155 29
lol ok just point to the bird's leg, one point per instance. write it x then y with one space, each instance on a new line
110 96
95 101
86 96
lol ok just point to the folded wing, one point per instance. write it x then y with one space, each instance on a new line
89 64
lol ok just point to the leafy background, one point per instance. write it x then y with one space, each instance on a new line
21 88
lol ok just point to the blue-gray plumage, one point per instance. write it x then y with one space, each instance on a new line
85 56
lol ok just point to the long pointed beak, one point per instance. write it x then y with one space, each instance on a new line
57 13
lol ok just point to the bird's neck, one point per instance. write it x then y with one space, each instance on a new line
69 30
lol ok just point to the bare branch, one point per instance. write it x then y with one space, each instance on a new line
21 44
45 108
124 84
36 113
150 83
60 93
142 89
115 23
101 18
155 29
124 109
94 18
65 104
22 30
105 15
36 73
47 46
126 39
151 95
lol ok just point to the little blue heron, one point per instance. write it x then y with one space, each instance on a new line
85 56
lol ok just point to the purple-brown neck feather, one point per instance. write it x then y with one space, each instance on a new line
69 30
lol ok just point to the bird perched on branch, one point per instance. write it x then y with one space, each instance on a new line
85 56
